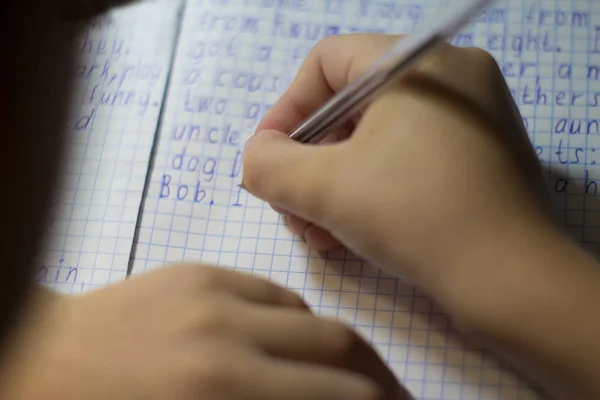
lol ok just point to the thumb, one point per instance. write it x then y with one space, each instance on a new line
289 174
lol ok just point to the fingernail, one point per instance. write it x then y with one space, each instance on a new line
247 143
251 138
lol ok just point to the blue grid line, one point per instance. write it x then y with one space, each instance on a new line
240 237
85 150
87 166
172 217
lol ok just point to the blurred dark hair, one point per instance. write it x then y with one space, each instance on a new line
33 98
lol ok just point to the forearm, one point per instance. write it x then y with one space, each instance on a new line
536 302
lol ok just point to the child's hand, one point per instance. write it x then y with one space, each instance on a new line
437 171
439 182
189 333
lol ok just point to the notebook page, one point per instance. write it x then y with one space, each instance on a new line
235 57
123 60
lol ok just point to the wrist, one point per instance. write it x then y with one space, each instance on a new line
533 298
495 276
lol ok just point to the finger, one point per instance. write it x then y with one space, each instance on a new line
279 210
242 285
278 171
329 67
289 175
462 72
280 379
231 370
297 224
320 239
316 237
302 337
290 334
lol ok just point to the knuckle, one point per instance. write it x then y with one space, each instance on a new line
281 295
295 299
483 59
191 273
324 45
207 277
478 54
290 298
454 57
438 59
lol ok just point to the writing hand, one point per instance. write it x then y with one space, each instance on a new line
438 181
436 167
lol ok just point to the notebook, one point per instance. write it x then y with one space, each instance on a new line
156 150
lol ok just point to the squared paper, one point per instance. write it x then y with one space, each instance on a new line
233 59
120 73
